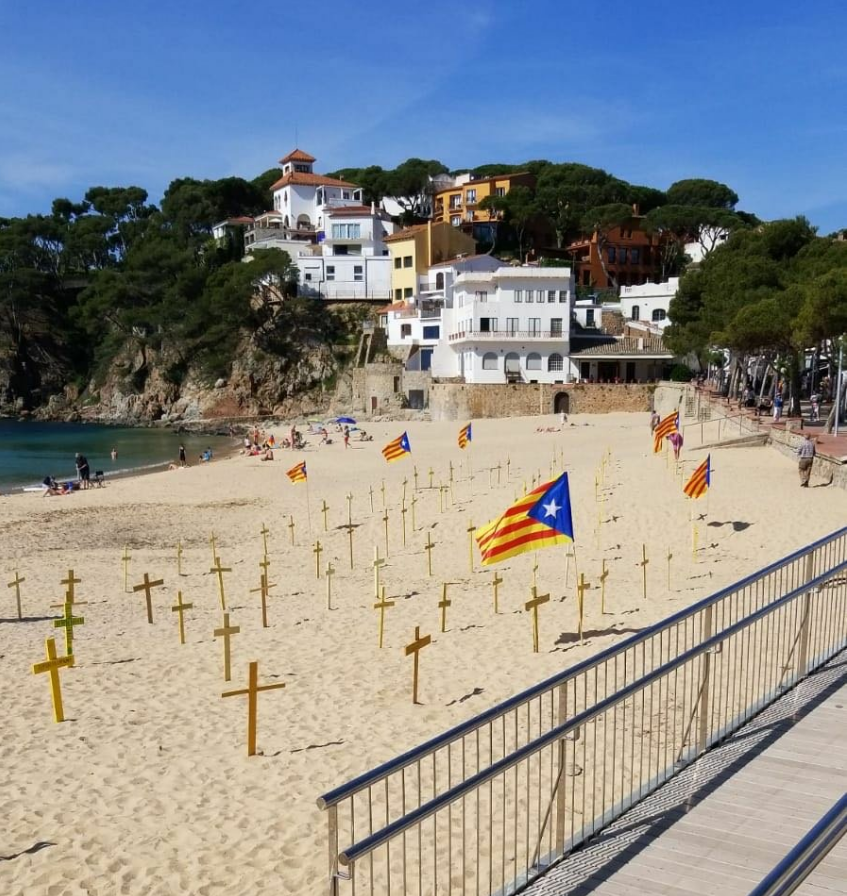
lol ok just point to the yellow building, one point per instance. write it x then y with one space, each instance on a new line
415 249
459 205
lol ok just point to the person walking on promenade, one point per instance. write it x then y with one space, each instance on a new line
806 454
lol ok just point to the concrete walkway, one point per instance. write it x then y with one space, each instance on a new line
722 824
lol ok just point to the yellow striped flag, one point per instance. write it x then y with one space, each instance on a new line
538 520
665 428
465 436
397 448
700 480
298 472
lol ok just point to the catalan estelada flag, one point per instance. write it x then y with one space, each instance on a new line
700 480
397 448
465 436
298 472
665 428
540 519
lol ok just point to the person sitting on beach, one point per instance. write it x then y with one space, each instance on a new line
51 487
206 456
268 455
324 436
364 437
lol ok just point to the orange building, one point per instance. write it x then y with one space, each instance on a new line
630 257
459 205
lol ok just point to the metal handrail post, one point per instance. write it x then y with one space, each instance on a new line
704 703
803 656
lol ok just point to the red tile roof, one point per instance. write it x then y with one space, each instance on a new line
406 233
394 306
240 219
310 180
297 155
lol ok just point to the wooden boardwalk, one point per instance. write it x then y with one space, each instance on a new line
722 824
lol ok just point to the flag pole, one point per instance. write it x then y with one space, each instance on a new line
308 502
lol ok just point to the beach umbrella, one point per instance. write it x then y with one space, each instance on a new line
344 420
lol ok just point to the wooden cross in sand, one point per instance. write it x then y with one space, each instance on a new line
403 512
428 548
371 496
226 633
382 605
412 503
533 604
385 525
643 565
377 564
219 572
147 587
329 572
431 474
125 561
214 547
70 581
180 608
415 476
470 530
263 590
382 489
179 558
350 509
451 471
442 488
16 584
317 550
265 532
496 582
252 691
324 510
67 622
405 483
350 529
52 665
443 604
603 576
291 529
414 648
581 588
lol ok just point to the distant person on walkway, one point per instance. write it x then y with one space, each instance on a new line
83 471
806 453
182 461
654 420
777 406
815 414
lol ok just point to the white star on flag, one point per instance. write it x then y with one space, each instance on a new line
551 509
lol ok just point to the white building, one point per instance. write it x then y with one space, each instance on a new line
351 259
649 302
507 325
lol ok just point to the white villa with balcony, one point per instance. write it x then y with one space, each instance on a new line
507 325
649 303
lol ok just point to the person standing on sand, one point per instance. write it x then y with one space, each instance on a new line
83 471
777 406
182 461
806 453
654 420
346 436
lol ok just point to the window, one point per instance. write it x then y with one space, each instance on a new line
589 317
345 194
555 326
636 313
481 295
659 314
518 295
539 296
563 295
439 280
398 295
533 361
529 296
488 324
621 256
534 326
586 277
405 331
513 324
471 197
307 277
407 261
551 295
489 361
456 201
398 263
456 220
500 191
408 292
303 169
633 256
612 255
358 273
555 362
346 231
431 332
330 272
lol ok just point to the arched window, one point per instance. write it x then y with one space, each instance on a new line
513 363
489 361
555 362
439 280
533 361
659 314
636 313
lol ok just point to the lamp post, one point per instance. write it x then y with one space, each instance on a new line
838 384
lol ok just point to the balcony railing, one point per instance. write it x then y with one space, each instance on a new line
464 335
430 286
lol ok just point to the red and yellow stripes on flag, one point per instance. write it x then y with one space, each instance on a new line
515 532
700 480
298 473
465 436
665 428
397 448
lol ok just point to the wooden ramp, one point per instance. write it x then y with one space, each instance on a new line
722 824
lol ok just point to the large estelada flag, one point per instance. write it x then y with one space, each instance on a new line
667 426
700 480
540 519
397 448
298 472
465 436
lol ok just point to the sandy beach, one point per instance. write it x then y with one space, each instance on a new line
147 788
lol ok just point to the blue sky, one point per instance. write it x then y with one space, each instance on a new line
751 93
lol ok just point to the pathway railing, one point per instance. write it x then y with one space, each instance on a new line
486 806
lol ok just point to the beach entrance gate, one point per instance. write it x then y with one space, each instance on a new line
562 403
489 805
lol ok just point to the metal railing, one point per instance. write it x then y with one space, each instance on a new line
807 854
486 806
508 334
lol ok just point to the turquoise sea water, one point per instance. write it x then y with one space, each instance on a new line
31 451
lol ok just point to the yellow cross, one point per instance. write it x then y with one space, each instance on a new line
415 476
498 472
180 607
405 483
533 604
52 665
147 586
431 474
67 622
324 510
291 528
226 633
581 588
70 581
213 543
470 530
497 581
125 561
16 584
377 564
403 512
413 502
382 605
604 575
382 489
264 590
643 565
317 550
443 604
371 496
350 509
329 572
451 471
428 548
252 691
350 529
265 532
414 648
219 571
